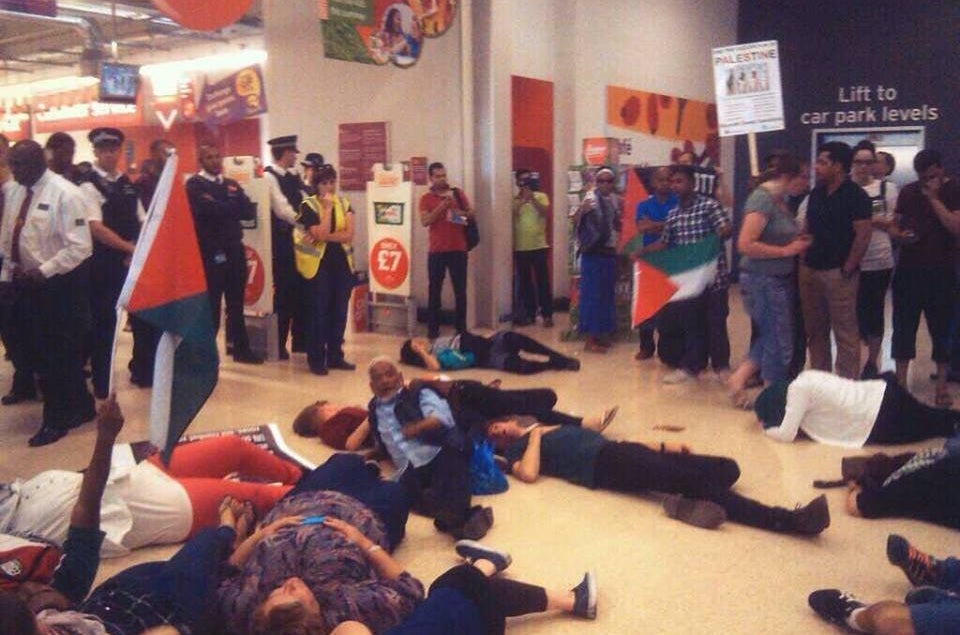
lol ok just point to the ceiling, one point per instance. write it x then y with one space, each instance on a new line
86 31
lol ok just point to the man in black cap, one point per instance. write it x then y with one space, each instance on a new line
285 196
47 243
115 218
310 164
218 205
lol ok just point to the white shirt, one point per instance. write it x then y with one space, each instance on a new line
879 254
55 237
830 409
279 204
7 187
141 506
96 199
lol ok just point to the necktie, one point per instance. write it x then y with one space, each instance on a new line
18 227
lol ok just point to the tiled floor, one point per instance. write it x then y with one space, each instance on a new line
655 574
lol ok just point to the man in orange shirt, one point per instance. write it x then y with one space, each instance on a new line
445 211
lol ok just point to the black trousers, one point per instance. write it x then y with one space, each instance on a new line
505 349
718 340
146 337
106 282
903 419
438 264
922 290
634 468
441 488
328 297
478 403
226 271
49 323
533 282
287 296
683 334
497 598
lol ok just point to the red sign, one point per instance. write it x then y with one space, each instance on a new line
80 110
601 151
361 145
389 263
208 15
255 278
15 126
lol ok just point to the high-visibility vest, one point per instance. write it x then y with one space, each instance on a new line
307 253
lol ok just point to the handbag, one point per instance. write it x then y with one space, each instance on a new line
485 476
470 231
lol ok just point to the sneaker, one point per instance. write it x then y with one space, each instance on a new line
471 550
811 519
478 524
679 376
920 568
694 511
585 597
834 605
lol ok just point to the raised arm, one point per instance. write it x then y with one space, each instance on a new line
527 469
86 512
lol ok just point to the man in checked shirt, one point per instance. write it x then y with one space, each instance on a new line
689 329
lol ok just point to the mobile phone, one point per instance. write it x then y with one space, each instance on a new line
313 520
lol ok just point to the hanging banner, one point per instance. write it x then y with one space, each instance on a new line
746 79
80 110
361 145
233 98
668 126
389 222
382 31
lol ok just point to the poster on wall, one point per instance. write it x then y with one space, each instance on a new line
382 31
655 129
746 78
258 293
389 223
235 97
361 145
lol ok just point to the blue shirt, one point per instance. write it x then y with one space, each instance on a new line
413 451
653 209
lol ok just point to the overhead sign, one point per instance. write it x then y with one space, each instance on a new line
80 110
746 79
233 98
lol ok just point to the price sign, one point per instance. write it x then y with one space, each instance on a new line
255 277
389 263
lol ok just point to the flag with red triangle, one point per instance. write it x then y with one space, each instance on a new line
674 274
166 287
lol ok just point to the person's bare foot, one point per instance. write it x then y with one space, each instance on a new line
227 513
246 519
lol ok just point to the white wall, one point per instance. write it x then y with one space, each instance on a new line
310 95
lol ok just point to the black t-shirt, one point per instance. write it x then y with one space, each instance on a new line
830 220
935 244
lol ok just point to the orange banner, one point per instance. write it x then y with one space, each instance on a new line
660 115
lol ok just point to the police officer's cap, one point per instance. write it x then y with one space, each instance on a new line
105 137
289 141
312 160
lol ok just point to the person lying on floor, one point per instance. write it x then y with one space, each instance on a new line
152 504
849 413
699 485
177 593
932 607
500 351
922 486
347 428
471 599
309 575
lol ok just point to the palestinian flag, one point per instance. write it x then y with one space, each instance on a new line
677 273
166 287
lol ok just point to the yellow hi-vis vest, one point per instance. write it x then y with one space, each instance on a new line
308 254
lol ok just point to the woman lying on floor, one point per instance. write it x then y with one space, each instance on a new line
500 351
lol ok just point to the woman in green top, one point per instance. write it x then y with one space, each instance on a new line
769 242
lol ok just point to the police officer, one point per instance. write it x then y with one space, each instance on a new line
115 218
46 243
312 162
286 192
218 205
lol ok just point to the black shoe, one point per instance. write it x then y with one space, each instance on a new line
834 605
571 364
89 414
14 397
471 551
870 371
341 365
811 519
247 357
284 355
46 435
141 382
522 322
478 524
319 370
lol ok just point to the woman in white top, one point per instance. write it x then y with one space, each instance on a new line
877 263
837 411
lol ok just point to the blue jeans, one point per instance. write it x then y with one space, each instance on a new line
769 300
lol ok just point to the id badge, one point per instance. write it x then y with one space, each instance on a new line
219 258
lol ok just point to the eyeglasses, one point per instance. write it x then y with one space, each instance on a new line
604 180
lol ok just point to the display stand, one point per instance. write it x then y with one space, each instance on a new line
391 313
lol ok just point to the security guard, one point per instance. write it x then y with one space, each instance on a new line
310 164
218 205
285 196
46 243
115 218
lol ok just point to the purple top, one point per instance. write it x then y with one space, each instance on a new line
336 570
